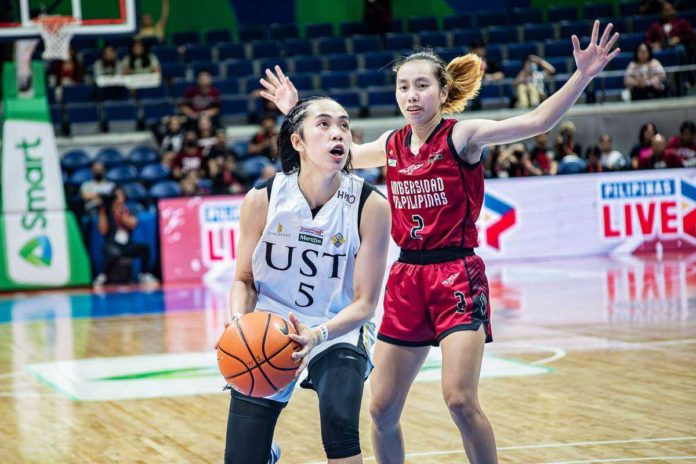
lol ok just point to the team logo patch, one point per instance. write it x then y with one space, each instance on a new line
435 157
280 228
450 279
278 232
338 240
411 169
311 235
391 162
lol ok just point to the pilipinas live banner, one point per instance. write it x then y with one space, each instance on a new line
40 243
529 218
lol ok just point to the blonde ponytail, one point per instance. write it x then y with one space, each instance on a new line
464 75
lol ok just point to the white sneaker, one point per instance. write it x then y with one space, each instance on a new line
147 278
275 453
100 280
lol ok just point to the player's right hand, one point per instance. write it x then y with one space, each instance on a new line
279 89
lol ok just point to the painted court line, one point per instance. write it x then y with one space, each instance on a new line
658 458
564 445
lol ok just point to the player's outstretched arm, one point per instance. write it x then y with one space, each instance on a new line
474 134
280 90
252 220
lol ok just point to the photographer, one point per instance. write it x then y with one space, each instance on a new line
92 191
117 224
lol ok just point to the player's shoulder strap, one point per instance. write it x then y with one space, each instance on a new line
367 189
266 184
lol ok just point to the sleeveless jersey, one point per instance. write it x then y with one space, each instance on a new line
435 196
305 264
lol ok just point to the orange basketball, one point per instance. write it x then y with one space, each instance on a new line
254 354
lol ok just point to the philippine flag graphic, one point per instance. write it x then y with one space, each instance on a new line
688 208
497 218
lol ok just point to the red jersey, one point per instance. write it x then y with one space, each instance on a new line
435 196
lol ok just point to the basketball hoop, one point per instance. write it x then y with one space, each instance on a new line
56 34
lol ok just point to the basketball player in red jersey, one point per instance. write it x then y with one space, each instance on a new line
437 292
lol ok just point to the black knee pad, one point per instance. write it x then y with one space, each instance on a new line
338 378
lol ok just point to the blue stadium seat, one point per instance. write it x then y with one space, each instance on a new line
423 23
526 15
153 173
79 176
227 86
628 42
366 43
265 49
308 64
494 96
180 86
621 61
241 148
538 32
90 55
166 53
251 83
188 37
519 51
122 174
464 37
642 23
628 8
560 63
121 116
562 47
370 78
502 34
282 31
212 67
143 155
151 93
238 68
335 80
511 68
226 51
73 160
598 10
135 207
351 28
271 63
113 93
215 36
83 118
80 43
397 26
330 45
381 101
155 110
350 99
448 54
198 53
398 41
494 53
434 39
173 70
378 60
342 62
165 189
456 22
493 18
298 47
668 57
254 32
234 109
562 13
579 28
78 93
303 81
313 31
111 157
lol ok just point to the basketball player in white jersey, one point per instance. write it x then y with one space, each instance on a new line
312 249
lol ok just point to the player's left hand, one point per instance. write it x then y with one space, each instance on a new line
595 57
308 338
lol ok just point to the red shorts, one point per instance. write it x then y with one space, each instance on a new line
426 302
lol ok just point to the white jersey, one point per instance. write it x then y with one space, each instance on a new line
305 264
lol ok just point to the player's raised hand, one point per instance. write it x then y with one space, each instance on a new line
595 57
279 89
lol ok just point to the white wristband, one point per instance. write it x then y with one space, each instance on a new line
323 334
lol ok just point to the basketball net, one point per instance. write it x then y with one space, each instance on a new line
56 32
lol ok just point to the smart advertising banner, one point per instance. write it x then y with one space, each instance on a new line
40 241
545 217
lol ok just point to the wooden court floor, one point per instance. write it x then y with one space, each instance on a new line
594 360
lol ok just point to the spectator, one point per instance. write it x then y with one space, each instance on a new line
190 158
542 156
642 150
140 60
189 184
659 156
610 159
492 71
645 77
514 161
670 31
224 172
202 99
529 83
570 162
263 143
207 136
567 133
107 64
117 224
593 157
93 191
650 7
62 73
684 145
173 138
377 16
151 29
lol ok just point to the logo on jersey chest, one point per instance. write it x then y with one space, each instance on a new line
391 162
434 157
311 235
277 231
411 169
338 240
350 199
